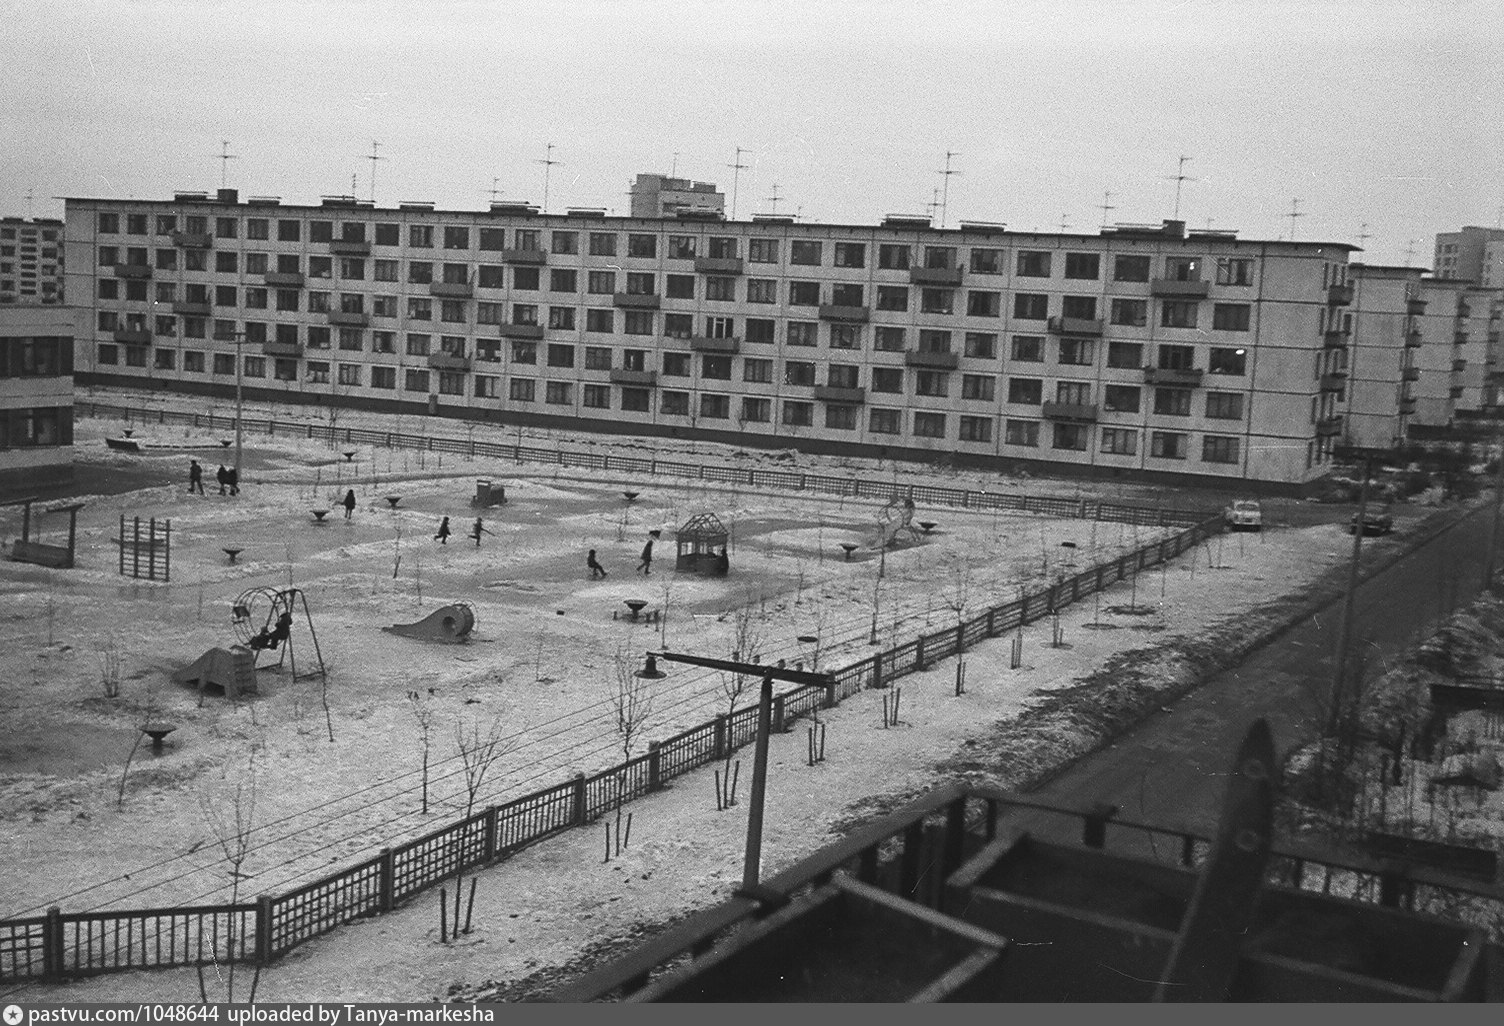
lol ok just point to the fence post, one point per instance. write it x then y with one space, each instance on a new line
720 736
778 726
830 695
992 622
264 929
388 880
52 944
655 767
919 653
579 799
877 671
491 812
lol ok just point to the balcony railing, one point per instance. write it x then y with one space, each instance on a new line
622 376
1407 407
1328 427
521 330
931 359
718 265
1339 295
1190 376
946 277
1458 366
1336 339
842 312
448 361
133 270
349 320
1413 339
271 347
524 256
132 336
1334 382
637 300
706 344
1075 326
284 279
1177 287
349 247
191 309
451 290
192 240
1083 412
839 394
1415 307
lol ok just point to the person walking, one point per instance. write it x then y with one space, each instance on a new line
232 478
596 570
349 503
195 477
646 566
477 531
443 536
224 478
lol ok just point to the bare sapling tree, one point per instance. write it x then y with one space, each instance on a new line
632 708
478 752
421 704
958 594
748 633
232 821
109 665
148 716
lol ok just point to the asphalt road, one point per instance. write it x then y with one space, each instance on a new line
1170 770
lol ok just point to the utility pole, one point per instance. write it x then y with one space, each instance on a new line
224 157
1180 178
945 187
548 163
373 158
1493 533
1294 213
737 167
1344 634
1106 206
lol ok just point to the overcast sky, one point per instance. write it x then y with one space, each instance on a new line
1381 111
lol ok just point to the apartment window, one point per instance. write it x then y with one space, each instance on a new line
1028 349
932 383
676 365
321 231
136 291
109 288
762 290
759 330
1228 361
416 381
194 327
757 411
225 227
1129 355
167 260
226 261
798 372
940 257
1133 313
885 422
603 244
1172 402
1073 393
679 286
418 345
1083 266
165 359
289 231
1130 268
562 279
1176 357
642 283
715 407
388 234
978 386
255 263
719 289
937 301
225 295
525 352
255 299
1121 398
485 386
642 246
565 242
109 224
1183 268
1072 437
166 326
1033 264
639 400
850 254
600 283
840 418
419 309
847 295
981 344
1176 313
986 261
929 425
845 336
492 240
762 251
255 367
1030 306
984 304
135 224
674 404
887 379
640 322
1025 391
715 367
596 397
804 293
135 356
1230 316
224 363
383 341
804 252
384 306
1168 445
287 334
1021 432
1119 441
349 374
893 257
894 298
521 390
758 372
888 339
195 260
320 267
488 350
1082 308
934 341
1224 406
634 359
1219 449
350 339
1234 271
1077 352
681 247
678 325
561 318
420 236
597 358
560 355
558 393
976 429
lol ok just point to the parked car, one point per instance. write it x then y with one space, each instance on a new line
1245 515
1375 521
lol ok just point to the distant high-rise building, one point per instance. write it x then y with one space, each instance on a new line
1470 255
662 196
36 396
31 260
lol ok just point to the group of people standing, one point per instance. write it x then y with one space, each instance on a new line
229 480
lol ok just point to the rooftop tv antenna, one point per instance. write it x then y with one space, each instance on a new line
737 167
773 199
1065 222
1180 178
1292 215
1106 207
548 163
28 203
1363 234
494 190
1409 252
934 204
945 184
674 168
373 158
224 157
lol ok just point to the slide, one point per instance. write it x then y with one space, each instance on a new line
451 623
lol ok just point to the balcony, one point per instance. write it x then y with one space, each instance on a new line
448 361
705 344
1188 377
1412 339
718 265
1334 382
945 277
1081 412
191 309
1339 295
1460 338
1329 427
931 359
839 312
636 300
133 270
1415 307
349 247
640 378
1407 407
1075 326
1335 339
271 347
192 240
837 394
348 320
1176 288
524 256
284 279
451 290
1458 366
521 330
132 336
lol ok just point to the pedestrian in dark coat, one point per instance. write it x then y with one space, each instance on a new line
443 536
349 503
224 478
596 570
232 478
195 477
646 566
478 530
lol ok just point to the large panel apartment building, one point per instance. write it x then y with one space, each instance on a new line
1144 351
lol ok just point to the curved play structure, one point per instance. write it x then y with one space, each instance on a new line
232 670
452 623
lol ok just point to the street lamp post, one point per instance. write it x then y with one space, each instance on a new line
239 339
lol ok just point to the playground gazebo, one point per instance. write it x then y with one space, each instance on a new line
701 543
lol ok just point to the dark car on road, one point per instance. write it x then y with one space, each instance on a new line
1375 521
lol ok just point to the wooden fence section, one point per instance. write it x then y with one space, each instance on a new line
1085 509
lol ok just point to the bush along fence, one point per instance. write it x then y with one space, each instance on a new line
59 945
845 487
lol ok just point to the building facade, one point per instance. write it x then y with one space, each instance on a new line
36 397
662 196
1472 254
1140 351
31 261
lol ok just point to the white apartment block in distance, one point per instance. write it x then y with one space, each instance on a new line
663 196
1473 254
36 397
31 261
1142 351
